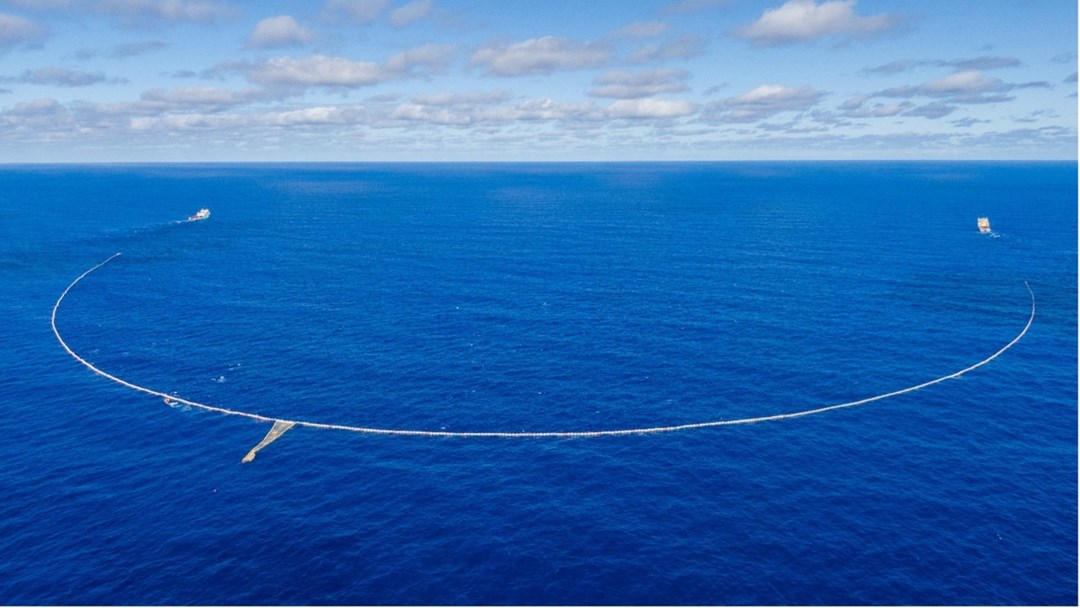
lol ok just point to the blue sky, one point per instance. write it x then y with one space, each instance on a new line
360 80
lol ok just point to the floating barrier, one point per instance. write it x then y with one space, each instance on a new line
280 425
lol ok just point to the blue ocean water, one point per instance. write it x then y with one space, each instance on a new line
490 297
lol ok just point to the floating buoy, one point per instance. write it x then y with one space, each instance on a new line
280 426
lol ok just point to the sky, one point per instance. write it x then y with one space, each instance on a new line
517 80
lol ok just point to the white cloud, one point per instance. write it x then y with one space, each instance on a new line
318 115
490 110
539 56
806 21
435 115
427 59
360 11
410 12
961 83
318 70
763 102
132 12
459 99
280 31
326 71
768 94
857 107
37 107
202 99
18 32
57 76
883 110
544 108
970 86
651 108
632 85
683 47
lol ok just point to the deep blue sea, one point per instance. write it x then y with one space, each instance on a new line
540 297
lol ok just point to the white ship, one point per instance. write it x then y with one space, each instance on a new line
201 214
984 224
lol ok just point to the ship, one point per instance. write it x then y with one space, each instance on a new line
201 214
984 224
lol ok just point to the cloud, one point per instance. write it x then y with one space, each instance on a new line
763 102
475 114
61 77
970 86
135 12
806 21
1070 78
131 49
682 7
965 123
976 63
633 85
17 32
460 99
315 116
983 63
201 99
412 112
280 31
484 113
894 67
539 56
423 60
489 109
683 47
410 12
650 108
31 120
961 83
332 72
932 110
856 107
641 29
360 11
37 107
317 71
964 87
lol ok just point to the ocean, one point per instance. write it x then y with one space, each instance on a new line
539 298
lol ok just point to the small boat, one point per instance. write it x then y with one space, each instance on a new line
201 214
984 224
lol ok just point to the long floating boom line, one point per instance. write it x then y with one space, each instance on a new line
283 423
